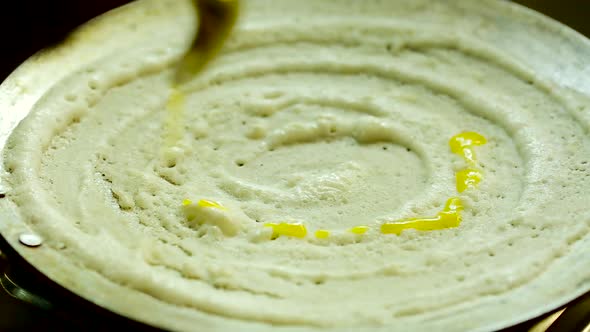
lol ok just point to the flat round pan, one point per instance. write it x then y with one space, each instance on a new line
36 76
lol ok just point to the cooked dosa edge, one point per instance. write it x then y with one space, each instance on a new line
396 165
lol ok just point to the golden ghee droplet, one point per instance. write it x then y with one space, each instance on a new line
359 230
322 234
212 204
287 229
467 179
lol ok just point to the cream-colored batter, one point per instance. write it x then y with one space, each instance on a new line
328 114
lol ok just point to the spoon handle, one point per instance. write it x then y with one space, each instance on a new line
216 19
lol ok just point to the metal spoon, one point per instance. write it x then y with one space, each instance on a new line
216 20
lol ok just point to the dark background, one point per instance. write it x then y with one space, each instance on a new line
29 25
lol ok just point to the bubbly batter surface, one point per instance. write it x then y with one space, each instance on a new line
295 184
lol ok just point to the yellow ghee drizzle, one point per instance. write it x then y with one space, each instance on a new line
449 217
207 203
287 229
322 234
468 178
173 131
462 144
360 230
204 203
